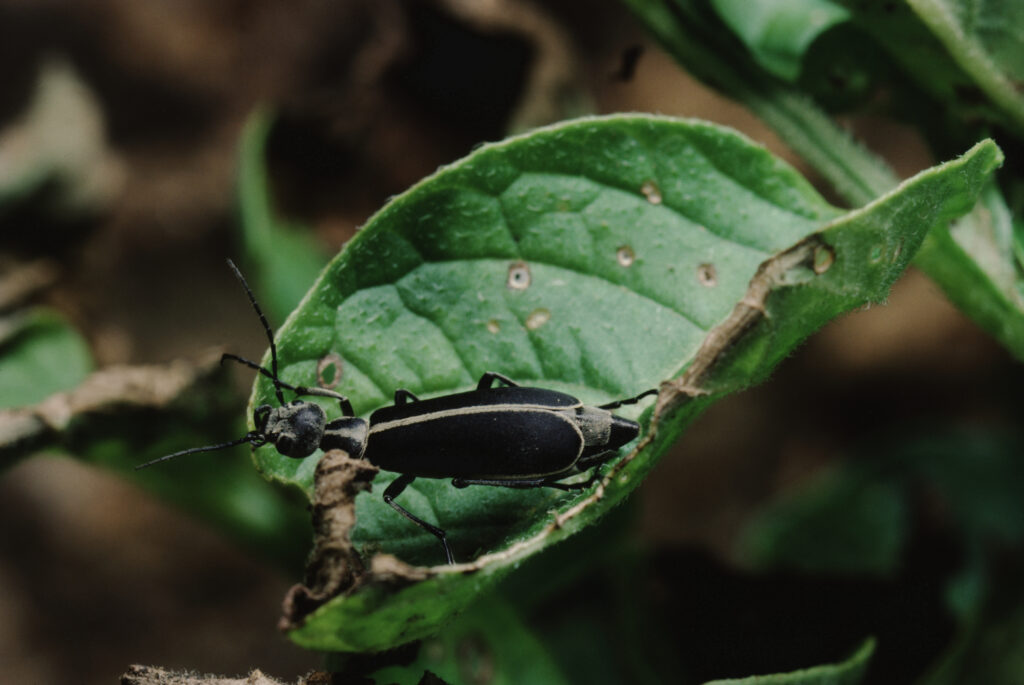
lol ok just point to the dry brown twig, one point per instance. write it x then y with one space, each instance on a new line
152 675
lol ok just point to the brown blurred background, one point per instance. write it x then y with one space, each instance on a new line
94 573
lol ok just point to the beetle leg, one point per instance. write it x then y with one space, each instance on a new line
346 407
595 475
631 400
552 481
394 490
487 380
402 396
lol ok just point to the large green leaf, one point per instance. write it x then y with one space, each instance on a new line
598 257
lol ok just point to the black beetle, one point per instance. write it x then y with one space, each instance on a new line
508 436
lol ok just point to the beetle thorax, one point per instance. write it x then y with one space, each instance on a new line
296 428
595 424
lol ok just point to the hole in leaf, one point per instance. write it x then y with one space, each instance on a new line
625 255
328 371
518 276
707 276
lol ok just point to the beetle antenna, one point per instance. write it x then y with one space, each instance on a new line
266 327
631 400
254 366
299 390
252 438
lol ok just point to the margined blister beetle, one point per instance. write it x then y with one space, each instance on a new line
500 434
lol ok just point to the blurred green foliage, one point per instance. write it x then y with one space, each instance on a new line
40 354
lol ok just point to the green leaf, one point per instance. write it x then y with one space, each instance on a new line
973 262
1018 251
925 84
979 477
854 519
40 354
656 249
701 44
986 38
847 672
489 644
779 32
618 639
287 257
846 522
987 650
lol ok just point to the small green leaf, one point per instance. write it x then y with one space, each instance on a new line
40 354
696 37
655 248
489 644
845 522
920 73
973 262
978 475
286 256
779 32
848 672
1018 251
986 40
701 43
987 650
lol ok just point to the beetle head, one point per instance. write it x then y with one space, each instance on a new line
295 428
